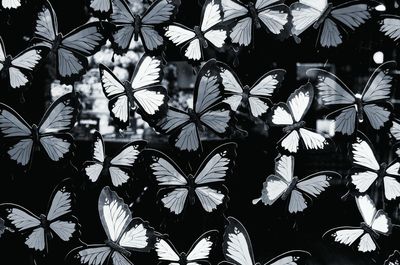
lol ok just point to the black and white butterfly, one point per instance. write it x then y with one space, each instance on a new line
372 103
395 130
144 91
284 184
11 4
193 41
393 259
100 8
332 21
124 234
390 26
70 51
51 135
238 250
367 171
130 26
117 167
198 254
269 14
255 98
40 229
208 111
375 223
290 115
18 70
177 188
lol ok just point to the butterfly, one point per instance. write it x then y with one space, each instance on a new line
17 69
270 14
10 4
283 184
124 234
290 115
368 171
255 98
176 187
144 91
372 103
238 250
209 31
51 135
199 253
208 111
100 8
117 167
393 259
390 26
395 129
40 229
130 26
71 50
332 21
375 223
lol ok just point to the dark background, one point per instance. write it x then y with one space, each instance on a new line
272 229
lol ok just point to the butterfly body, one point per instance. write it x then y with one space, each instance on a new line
137 24
7 63
117 248
254 15
291 187
296 126
369 230
200 36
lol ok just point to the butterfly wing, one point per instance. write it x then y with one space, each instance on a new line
201 249
232 86
166 251
121 165
171 180
235 13
11 4
395 130
16 135
46 28
364 158
391 181
213 170
390 26
124 20
294 257
348 235
53 129
393 259
137 236
91 255
236 246
260 92
181 35
211 16
101 8
94 167
148 94
305 13
273 15
80 42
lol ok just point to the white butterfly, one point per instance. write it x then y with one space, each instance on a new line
176 188
283 184
130 26
270 14
124 234
368 171
100 8
10 4
238 250
393 259
290 115
199 253
40 229
390 26
255 98
71 50
372 103
332 21
118 167
144 91
208 112
375 223
193 41
18 69
51 135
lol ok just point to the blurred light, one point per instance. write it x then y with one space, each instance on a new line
380 7
378 57
326 127
396 4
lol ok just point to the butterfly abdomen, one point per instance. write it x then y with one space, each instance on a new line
254 15
137 27
7 62
359 108
191 187
200 36
194 118
114 246
294 126
323 16
35 134
106 166
369 230
56 42
128 91
183 258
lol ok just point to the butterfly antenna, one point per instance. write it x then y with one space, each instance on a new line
139 198
346 196
255 201
326 62
21 97
112 57
196 69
